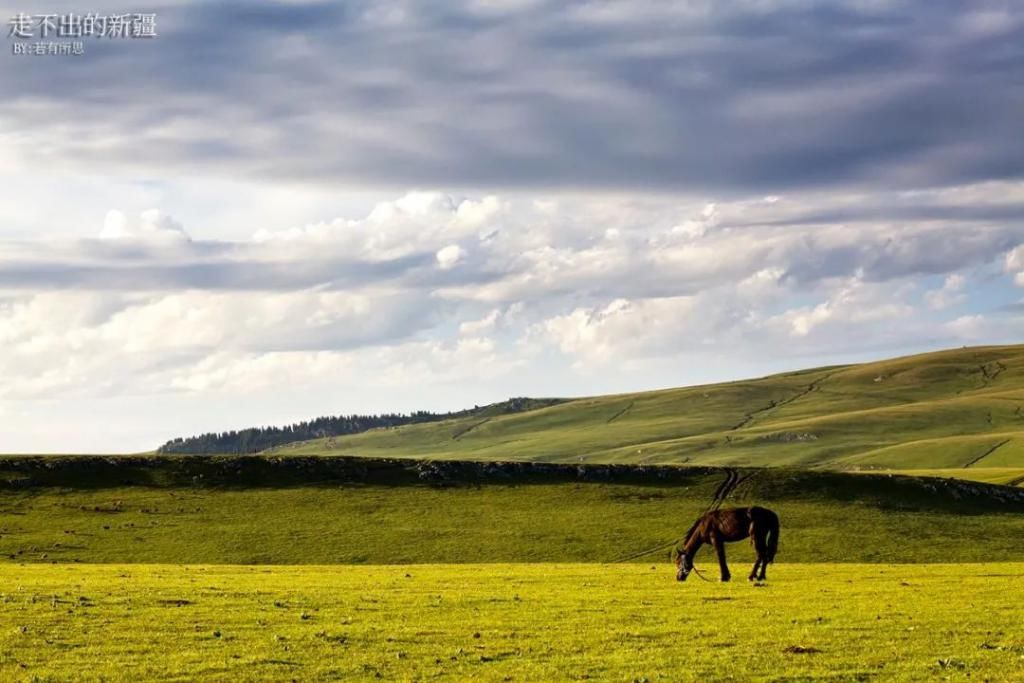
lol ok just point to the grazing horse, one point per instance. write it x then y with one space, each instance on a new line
719 527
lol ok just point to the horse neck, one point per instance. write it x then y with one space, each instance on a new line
694 542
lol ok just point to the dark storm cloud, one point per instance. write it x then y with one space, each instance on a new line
722 97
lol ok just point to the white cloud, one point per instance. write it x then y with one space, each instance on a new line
851 303
92 342
410 364
485 324
438 288
150 225
968 326
450 256
417 222
1014 263
595 333
950 294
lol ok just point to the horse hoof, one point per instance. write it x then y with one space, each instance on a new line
725 579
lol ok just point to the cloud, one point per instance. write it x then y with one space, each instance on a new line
1014 263
501 281
845 318
853 302
151 225
101 343
474 327
719 98
950 294
398 366
623 329
450 256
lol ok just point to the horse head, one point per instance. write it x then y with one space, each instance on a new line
684 565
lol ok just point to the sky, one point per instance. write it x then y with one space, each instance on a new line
272 211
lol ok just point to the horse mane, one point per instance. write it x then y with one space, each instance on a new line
693 527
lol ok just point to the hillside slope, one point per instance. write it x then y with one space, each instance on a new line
955 409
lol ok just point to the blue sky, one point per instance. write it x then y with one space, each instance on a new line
273 211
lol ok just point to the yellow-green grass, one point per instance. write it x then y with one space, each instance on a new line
536 622
833 517
956 408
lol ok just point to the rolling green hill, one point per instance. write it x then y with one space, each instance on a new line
960 409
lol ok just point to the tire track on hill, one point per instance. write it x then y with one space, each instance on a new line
773 405
619 414
987 453
459 434
898 400
723 489
733 479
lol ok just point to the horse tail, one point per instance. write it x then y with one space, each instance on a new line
773 537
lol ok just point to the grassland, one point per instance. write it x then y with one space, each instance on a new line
957 409
491 622
540 514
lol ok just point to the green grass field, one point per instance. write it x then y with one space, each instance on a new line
956 409
826 517
229 569
536 622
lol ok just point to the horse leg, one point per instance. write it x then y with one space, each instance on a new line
760 558
761 545
720 548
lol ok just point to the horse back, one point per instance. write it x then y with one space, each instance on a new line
763 515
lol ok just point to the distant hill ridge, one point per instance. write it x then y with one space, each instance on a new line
255 439
949 412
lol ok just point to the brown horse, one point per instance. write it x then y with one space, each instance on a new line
719 527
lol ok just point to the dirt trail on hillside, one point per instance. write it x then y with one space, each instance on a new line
724 489
772 405
619 414
987 453
732 479
462 432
